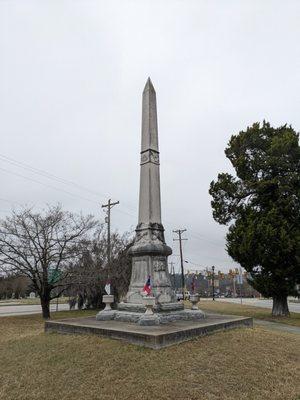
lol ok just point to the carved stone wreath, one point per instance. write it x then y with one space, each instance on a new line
150 156
159 265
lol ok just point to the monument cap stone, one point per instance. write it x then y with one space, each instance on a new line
149 119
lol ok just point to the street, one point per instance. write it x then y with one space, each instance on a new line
293 307
10 310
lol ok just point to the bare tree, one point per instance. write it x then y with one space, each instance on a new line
41 246
89 275
119 270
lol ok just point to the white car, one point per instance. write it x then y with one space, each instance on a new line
180 297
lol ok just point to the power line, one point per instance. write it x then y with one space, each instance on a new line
47 175
221 260
46 185
197 236
9 201
61 180
52 177
58 189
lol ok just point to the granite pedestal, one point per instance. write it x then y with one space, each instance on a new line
154 337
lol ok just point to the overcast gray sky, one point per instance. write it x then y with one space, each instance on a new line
71 79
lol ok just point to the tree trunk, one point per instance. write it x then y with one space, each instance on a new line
280 306
45 308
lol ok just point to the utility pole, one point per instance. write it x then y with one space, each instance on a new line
234 290
109 206
241 283
179 232
213 282
172 273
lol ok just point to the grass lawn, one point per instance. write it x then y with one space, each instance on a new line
240 364
223 307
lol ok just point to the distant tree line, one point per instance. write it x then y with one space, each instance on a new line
14 286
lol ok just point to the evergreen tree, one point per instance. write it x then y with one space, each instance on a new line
261 205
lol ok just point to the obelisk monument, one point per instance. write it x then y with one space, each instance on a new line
149 254
149 251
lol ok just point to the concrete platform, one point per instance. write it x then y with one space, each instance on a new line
155 337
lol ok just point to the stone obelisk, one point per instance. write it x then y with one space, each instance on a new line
149 251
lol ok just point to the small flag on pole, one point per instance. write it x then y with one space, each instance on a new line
107 288
147 287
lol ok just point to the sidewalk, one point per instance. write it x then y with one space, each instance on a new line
275 326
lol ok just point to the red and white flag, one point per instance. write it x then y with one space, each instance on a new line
147 286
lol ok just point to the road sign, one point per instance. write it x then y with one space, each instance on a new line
54 275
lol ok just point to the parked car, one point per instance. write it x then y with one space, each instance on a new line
180 297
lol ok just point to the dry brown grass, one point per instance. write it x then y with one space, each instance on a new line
223 307
240 364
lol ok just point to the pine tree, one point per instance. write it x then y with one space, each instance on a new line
261 205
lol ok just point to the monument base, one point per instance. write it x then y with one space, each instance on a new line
155 336
132 307
157 318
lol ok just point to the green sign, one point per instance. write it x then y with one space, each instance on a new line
54 275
